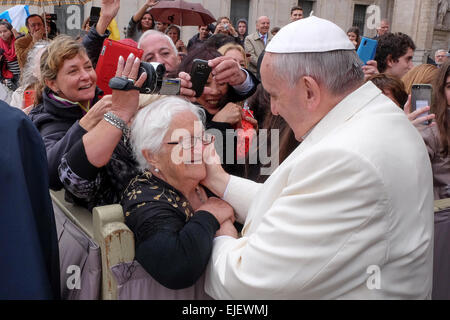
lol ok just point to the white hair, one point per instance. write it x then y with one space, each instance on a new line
28 76
438 51
160 34
152 123
338 71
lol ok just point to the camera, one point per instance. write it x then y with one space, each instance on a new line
155 82
225 26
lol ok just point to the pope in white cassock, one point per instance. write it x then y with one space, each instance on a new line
349 214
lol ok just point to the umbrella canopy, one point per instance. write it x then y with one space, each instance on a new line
41 3
182 13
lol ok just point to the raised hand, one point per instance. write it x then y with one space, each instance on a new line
110 8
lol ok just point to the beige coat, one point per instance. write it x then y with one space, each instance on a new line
348 215
255 46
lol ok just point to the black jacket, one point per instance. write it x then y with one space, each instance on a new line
68 165
172 243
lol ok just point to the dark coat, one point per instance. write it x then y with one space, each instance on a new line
69 168
172 243
29 255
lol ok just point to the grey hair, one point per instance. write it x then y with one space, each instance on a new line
160 34
338 71
28 77
152 123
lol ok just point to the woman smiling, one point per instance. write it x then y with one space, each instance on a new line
85 150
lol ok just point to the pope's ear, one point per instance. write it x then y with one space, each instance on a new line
312 92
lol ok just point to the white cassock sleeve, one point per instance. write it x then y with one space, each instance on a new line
314 240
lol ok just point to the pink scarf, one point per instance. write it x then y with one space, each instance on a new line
10 55
9 50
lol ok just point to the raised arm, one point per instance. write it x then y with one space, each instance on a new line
142 10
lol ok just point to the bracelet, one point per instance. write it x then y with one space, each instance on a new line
113 119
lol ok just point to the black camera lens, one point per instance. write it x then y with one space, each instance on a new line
155 73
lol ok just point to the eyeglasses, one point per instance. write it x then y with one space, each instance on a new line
189 143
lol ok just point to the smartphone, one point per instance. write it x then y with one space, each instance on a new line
28 98
94 15
421 98
367 49
199 75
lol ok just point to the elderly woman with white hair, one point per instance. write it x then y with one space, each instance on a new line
166 207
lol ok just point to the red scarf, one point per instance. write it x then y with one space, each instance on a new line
10 55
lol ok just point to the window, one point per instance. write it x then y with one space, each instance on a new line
307 7
359 17
239 10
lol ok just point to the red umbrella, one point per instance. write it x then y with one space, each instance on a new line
182 13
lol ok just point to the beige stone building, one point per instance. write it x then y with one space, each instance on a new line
426 21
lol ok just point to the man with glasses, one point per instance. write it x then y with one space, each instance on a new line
440 57
36 32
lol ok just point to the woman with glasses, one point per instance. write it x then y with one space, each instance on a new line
166 206
223 116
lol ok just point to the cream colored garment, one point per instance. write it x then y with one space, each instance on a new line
348 215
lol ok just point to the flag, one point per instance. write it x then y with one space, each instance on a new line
16 16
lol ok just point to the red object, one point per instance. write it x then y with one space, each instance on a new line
109 57
129 42
182 13
245 135
28 98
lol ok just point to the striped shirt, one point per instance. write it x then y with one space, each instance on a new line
13 66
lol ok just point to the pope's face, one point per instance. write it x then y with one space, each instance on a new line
286 100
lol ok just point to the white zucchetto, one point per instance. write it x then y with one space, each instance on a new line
310 34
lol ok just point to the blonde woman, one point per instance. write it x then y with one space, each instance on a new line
87 153
236 52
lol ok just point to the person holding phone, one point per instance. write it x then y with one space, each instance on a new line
437 137
221 113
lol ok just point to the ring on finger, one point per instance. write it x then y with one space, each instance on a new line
131 80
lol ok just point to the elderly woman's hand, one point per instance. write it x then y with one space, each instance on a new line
370 69
221 210
125 103
96 113
415 117
231 113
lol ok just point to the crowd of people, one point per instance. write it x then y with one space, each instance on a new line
355 167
